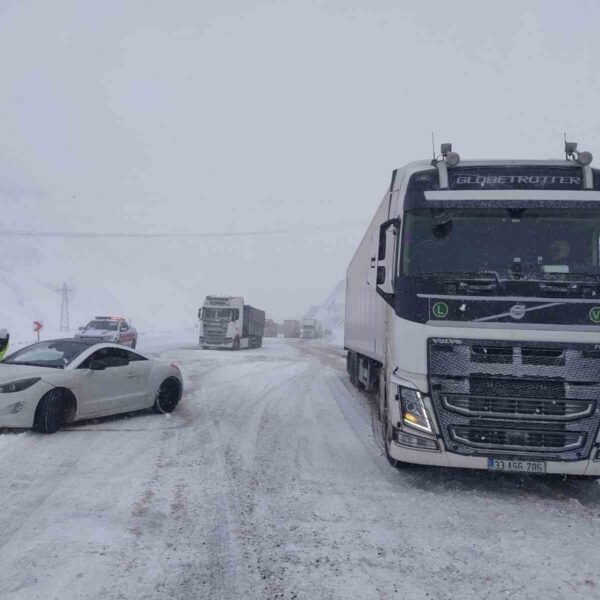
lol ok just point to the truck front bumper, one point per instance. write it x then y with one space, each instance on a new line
443 458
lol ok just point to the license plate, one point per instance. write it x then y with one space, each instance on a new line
516 466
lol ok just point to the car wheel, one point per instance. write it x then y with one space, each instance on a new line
51 412
134 343
168 396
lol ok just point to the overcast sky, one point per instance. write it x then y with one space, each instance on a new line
190 116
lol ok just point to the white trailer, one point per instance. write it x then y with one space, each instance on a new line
226 322
473 313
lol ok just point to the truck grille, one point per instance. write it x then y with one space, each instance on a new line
516 398
520 408
517 439
214 332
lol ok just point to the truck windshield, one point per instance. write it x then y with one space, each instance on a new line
220 313
103 325
530 242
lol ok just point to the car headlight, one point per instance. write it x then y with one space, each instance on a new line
412 408
18 386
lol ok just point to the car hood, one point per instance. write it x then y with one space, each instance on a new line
10 373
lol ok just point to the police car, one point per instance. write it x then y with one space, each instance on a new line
109 329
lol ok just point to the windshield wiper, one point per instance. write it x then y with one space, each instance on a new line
465 281
458 275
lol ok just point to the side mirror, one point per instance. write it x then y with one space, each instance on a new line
389 232
97 365
81 328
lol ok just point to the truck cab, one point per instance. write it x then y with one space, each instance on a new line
311 328
226 322
473 311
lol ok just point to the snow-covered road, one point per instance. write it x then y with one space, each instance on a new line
269 482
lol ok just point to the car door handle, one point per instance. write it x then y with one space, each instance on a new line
131 375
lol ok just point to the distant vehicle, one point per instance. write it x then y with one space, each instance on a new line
311 328
271 328
53 383
291 328
109 329
226 322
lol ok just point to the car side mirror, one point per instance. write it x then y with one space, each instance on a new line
81 328
97 365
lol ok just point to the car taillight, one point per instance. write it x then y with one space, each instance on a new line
175 366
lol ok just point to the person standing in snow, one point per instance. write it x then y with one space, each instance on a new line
4 337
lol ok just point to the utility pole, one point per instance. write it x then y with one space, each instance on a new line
64 291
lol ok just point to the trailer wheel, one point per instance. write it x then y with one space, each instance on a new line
353 368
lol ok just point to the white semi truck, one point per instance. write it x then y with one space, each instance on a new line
473 313
311 328
226 322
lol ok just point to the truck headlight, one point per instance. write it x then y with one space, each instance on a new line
412 408
18 386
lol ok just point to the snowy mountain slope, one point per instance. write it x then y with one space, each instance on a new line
331 312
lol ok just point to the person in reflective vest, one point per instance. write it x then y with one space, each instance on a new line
4 337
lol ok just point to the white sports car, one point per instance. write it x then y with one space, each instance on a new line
49 384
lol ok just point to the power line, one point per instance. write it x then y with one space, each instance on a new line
147 235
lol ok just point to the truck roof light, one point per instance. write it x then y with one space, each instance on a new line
452 159
584 158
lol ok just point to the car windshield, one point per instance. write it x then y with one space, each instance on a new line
54 354
529 242
103 325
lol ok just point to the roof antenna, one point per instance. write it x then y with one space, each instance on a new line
565 140
433 146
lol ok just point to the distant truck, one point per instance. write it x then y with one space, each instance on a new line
109 329
226 322
271 328
291 328
311 328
